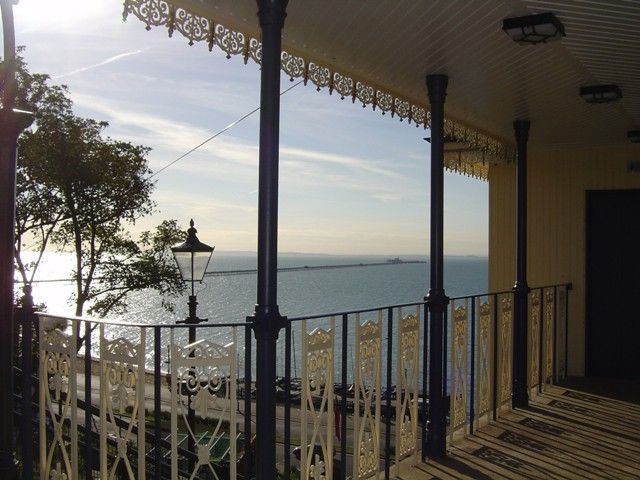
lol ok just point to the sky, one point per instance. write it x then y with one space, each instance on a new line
352 181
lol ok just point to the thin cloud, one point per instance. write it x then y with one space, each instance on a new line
343 160
109 60
201 203
237 160
387 197
163 132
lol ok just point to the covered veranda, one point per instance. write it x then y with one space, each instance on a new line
487 103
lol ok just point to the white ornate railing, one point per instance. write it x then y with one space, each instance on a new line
481 352
141 402
202 374
122 394
324 401
58 394
367 418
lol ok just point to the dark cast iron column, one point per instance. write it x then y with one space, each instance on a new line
267 319
437 300
12 122
521 288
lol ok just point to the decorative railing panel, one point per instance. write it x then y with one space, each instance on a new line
58 373
367 418
505 351
484 355
535 306
407 372
203 374
549 329
122 397
316 414
459 370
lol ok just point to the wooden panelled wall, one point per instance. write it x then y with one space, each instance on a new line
557 183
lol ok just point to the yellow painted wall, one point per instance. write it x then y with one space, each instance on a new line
557 183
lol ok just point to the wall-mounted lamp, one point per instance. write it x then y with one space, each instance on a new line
601 93
532 29
447 139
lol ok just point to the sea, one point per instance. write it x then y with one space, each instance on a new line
231 298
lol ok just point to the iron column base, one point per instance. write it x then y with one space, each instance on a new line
520 398
267 323
436 444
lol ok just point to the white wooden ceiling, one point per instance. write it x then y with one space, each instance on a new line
492 80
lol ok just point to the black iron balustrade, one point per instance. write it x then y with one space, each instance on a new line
352 389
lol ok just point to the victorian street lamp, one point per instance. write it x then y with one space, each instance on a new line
192 258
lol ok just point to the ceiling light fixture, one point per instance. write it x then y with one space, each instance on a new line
533 29
601 93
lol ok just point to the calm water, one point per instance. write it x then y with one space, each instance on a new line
231 298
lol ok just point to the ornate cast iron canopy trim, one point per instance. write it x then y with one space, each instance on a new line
480 150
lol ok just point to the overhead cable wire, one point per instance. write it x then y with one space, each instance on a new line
217 134
204 142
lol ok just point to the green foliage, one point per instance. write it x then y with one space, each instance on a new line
129 266
80 190
38 203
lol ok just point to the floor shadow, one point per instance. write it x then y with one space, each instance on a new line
462 468
585 423
587 432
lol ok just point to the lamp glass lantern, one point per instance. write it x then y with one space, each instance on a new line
192 258
533 29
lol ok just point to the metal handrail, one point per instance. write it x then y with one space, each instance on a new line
390 321
296 318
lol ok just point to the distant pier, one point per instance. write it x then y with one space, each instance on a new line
305 268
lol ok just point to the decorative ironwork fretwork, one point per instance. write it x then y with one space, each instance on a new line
459 344
192 27
367 400
549 309
534 336
58 403
152 13
122 398
506 341
407 371
206 372
474 159
317 402
484 348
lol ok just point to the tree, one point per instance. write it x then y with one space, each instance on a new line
79 190
38 205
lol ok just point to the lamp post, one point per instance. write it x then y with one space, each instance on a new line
192 258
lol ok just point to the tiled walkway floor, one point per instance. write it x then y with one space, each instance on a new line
565 434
